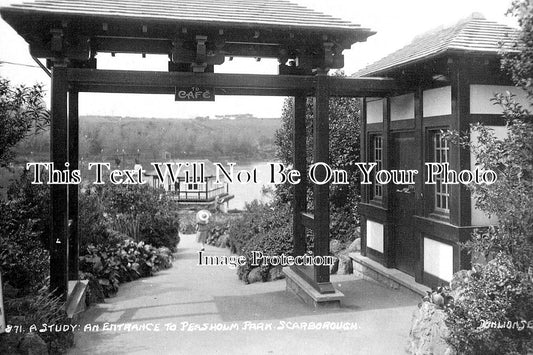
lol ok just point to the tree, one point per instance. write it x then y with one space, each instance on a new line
344 130
520 64
22 113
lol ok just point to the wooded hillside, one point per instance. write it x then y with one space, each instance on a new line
147 139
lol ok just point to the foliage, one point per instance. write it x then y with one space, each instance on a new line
22 110
519 64
30 202
187 223
25 231
35 310
344 131
500 291
155 215
245 228
160 229
492 304
261 228
122 262
23 262
93 225
220 229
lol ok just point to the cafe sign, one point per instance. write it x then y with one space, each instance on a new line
195 93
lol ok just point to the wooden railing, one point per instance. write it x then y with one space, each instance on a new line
200 195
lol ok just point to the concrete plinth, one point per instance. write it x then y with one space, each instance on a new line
308 294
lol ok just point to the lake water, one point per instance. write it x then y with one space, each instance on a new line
248 192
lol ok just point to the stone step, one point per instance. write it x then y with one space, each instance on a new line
77 290
393 278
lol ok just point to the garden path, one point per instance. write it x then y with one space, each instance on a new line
188 294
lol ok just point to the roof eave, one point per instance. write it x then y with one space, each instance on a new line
449 51
354 33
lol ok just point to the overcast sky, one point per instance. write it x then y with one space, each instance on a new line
396 23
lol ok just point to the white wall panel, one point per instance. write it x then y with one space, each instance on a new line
374 111
481 95
374 235
438 259
437 102
402 107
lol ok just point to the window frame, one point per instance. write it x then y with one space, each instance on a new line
376 192
439 152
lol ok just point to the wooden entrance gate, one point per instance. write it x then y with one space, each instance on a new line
69 36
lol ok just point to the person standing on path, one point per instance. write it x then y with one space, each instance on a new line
202 227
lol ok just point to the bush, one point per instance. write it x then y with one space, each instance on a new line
25 228
187 222
220 229
155 216
160 229
33 311
111 265
23 263
261 228
343 223
93 226
498 294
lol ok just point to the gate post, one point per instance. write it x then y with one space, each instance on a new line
300 164
321 192
73 158
59 192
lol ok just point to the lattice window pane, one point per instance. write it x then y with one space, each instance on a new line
378 159
441 152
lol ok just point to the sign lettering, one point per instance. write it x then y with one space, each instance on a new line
195 93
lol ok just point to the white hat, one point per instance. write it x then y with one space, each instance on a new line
203 216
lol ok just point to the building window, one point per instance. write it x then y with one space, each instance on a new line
377 157
441 154
192 187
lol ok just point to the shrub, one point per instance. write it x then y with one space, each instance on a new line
23 263
498 294
261 228
111 265
244 228
343 223
270 242
24 224
92 223
35 310
220 229
160 229
187 222
29 202
155 215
